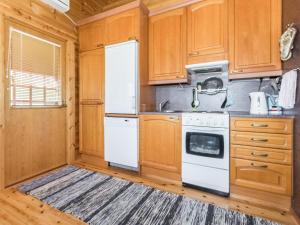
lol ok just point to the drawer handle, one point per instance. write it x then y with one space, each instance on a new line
259 166
259 125
194 54
259 140
100 45
173 118
238 71
260 155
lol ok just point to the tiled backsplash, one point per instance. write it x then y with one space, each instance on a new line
180 96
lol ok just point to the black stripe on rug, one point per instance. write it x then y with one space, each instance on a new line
68 186
136 207
81 197
210 214
249 220
90 217
170 216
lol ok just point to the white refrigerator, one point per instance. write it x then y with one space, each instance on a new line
121 97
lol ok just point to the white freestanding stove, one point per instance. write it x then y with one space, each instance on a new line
205 151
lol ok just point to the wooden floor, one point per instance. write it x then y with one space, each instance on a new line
19 209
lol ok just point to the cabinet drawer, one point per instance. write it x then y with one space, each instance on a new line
262 176
262 154
262 140
264 125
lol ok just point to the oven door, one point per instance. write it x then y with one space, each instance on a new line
206 146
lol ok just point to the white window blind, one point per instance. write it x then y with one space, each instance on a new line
35 73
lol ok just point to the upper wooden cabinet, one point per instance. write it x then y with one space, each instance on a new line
255 29
167 47
123 26
160 143
92 36
207 31
92 75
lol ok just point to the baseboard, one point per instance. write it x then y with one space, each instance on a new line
261 198
96 161
296 217
161 175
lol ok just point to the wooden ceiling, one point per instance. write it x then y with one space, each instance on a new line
81 9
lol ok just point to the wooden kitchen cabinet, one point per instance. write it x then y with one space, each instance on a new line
263 176
262 139
160 146
255 29
123 27
262 160
167 47
91 129
92 36
207 31
92 75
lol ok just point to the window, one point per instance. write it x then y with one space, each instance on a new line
35 73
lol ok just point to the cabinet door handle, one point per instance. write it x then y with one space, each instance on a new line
194 54
259 155
259 125
259 166
238 71
173 118
132 38
91 103
100 45
259 140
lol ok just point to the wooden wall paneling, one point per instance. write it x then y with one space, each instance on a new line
40 16
71 101
2 90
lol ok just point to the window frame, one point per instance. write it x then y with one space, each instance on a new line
47 37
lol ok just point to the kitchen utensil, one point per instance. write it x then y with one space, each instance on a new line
258 103
225 101
195 102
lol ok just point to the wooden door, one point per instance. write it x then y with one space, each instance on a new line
92 36
92 75
91 129
263 176
35 115
122 27
255 30
91 103
160 142
207 31
167 47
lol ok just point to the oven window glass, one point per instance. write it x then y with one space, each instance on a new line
204 144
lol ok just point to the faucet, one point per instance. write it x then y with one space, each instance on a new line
162 105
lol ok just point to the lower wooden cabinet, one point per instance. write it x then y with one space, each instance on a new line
262 176
92 129
160 145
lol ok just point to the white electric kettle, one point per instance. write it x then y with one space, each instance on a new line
258 103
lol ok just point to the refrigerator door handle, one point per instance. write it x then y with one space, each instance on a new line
133 102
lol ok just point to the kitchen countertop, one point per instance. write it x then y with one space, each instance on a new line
231 113
247 114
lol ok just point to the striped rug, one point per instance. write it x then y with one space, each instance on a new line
97 199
